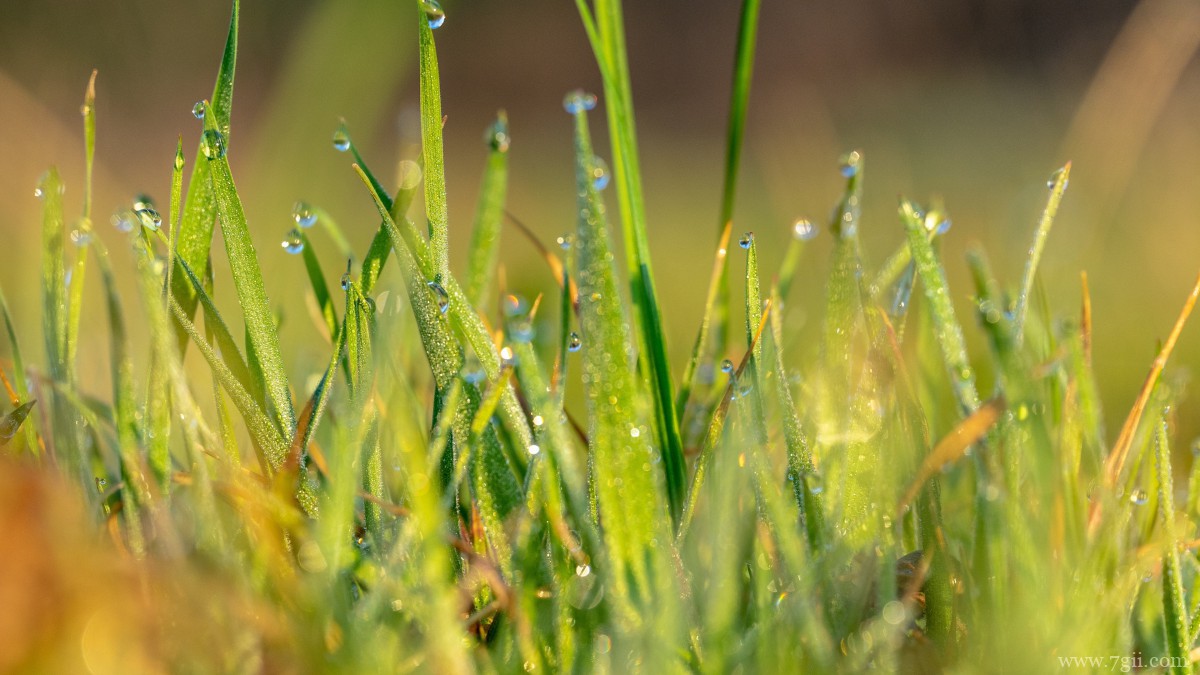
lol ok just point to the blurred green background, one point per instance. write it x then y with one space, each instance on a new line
974 102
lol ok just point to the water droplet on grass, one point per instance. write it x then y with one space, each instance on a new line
727 366
574 343
600 174
142 201
803 229
149 218
341 140
433 13
199 110
213 144
497 136
1054 179
303 214
443 300
564 242
293 242
346 281
81 237
850 164
534 449
578 101
1139 497
746 240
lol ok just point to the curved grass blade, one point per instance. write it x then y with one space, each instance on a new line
317 279
20 380
1057 186
263 340
485 236
84 234
200 210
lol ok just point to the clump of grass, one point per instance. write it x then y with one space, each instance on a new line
441 509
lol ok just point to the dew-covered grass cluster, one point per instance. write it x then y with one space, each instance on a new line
435 501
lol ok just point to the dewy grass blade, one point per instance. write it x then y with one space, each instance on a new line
607 35
1058 185
200 210
54 291
431 136
227 346
247 278
485 236
946 327
317 279
628 496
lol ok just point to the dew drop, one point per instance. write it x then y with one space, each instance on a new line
199 110
293 241
497 136
507 358
81 237
803 229
341 140
534 449
179 161
149 218
574 343
564 242
727 366
583 570
578 101
815 484
1054 179
850 164
433 13
746 240
303 214
439 293
213 144
346 281
943 226
39 192
1139 497
600 173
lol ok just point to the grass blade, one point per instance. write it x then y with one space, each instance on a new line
263 340
1058 185
485 236
200 210
431 147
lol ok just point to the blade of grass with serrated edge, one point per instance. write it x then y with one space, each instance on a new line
606 33
1057 187
1175 613
629 501
263 340
200 210
431 147
489 216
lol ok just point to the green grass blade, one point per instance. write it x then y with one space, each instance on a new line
632 513
1058 185
489 216
1175 616
20 380
54 291
200 210
84 234
946 326
264 433
607 35
225 343
263 340
316 278
739 99
431 146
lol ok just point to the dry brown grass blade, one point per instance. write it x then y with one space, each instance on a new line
953 446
